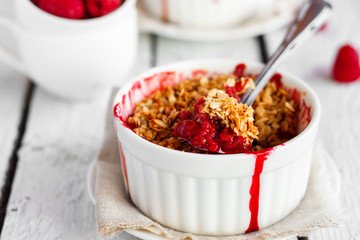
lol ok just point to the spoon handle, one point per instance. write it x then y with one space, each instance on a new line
310 18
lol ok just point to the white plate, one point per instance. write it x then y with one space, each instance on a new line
326 159
281 14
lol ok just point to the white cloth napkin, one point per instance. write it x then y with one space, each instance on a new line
115 212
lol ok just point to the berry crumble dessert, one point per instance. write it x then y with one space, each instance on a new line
204 115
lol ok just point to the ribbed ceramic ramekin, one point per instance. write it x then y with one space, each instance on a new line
214 194
205 14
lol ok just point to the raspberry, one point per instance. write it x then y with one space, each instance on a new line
73 9
36 2
346 67
276 78
183 115
208 133
323 27
232 92
98 8
239 70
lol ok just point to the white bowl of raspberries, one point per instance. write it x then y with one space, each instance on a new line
75 49
78 9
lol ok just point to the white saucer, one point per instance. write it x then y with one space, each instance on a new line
327 162
281 14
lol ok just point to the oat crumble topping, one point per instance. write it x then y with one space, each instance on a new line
235 115
271 120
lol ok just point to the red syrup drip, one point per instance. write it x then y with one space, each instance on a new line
164 10
199 72
276 78
118 109
208 133
324 27
261 157
305 110
124 168
232 91
296 95
140 90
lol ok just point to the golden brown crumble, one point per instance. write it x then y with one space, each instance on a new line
275 116
235 115
274 113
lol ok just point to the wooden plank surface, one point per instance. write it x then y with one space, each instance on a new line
49 196
49 199
13 86
12 89
339 125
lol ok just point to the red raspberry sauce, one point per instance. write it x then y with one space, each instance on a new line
261 157
123 162
236 89
207 133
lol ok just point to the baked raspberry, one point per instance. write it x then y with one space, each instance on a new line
346 67
239 86
97 8
208 133
36 2
198 128
239 70
73 9
232 92
323 27
237 89
276 78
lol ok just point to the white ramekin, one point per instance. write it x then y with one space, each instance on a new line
210 194
205 14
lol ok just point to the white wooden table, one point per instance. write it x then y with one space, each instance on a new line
47 144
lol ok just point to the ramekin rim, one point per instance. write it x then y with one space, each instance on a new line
314 100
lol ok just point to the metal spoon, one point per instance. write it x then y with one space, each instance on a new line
310 18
